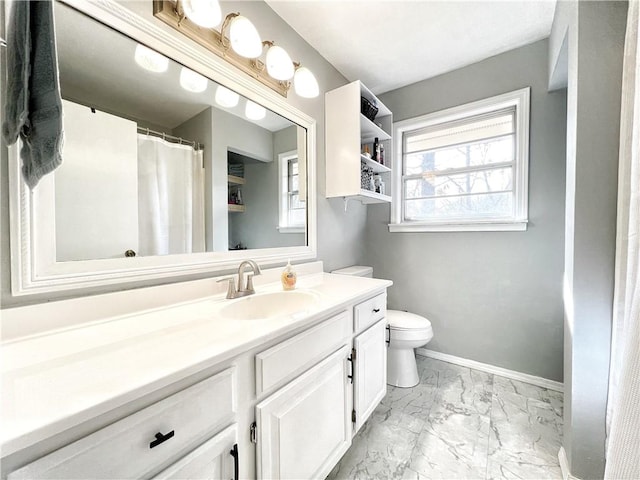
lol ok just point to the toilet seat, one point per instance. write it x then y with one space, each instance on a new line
399 320
408 327
423 334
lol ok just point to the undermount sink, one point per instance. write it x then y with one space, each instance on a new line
269 305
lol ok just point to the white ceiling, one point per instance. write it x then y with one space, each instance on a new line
392 43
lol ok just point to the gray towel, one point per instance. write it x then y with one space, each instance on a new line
34 106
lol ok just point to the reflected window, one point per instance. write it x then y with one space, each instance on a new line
292 207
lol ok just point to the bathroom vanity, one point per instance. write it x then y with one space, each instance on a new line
175 381
272 385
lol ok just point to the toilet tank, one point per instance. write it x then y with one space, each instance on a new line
356 271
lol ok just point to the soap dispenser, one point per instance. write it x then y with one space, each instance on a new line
288 277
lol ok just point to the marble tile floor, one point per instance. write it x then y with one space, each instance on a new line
458 423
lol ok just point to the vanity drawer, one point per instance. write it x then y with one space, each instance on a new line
369 312
301 352
124 449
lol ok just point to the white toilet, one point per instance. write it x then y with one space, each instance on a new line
407 331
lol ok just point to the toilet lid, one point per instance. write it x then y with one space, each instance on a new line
406 320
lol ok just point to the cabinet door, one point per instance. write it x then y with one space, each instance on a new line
305 427
370 371
214 459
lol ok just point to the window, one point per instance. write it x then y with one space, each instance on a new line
464 168
293 212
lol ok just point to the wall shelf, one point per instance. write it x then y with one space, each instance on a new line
377 167
236 208
347 130
233 180
367 196
369 131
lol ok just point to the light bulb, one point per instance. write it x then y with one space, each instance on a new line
150 59
244 37
226 98
192 81
204 13
305 84
253 111
279 64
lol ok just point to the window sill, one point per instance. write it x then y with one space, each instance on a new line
291 229
514 226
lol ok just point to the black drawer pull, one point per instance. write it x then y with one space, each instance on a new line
351 359
160 438
388 340
236 466
376 310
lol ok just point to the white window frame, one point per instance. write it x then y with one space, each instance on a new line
518 222
283 195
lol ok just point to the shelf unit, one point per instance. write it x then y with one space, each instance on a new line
347 129
236 208
235 182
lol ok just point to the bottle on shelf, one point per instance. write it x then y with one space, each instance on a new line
381 154
377 183
376 149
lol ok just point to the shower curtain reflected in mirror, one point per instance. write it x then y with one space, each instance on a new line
170 197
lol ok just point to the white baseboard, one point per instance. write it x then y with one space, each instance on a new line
564 465
485 367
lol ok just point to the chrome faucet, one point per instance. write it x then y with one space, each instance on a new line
242 290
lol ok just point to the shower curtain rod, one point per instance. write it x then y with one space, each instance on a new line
166 136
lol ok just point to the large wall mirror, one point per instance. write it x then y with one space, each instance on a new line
173 163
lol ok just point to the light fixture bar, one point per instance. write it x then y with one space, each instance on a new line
214 41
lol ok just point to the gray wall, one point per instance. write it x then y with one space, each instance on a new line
493 297
340 233
593 33
231 132
257 227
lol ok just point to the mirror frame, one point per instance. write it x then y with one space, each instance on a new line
34 268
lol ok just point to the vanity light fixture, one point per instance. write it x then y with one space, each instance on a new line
204 13
226 98
150 59
305 83
243 36
242 47
192 81
278 61
253 111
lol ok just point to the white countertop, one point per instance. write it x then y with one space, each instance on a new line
58 379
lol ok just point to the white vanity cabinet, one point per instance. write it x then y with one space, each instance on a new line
284 407
304 427
142 444
369 357
370 372
346 131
